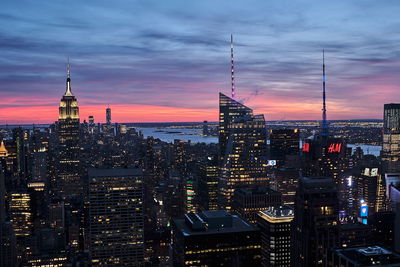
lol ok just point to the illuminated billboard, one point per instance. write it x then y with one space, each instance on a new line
364 210
335 148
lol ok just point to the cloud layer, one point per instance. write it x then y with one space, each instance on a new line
167 60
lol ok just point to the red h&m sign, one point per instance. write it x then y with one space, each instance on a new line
334 147
306 147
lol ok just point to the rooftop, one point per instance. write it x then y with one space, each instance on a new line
278 214
211 222
370 256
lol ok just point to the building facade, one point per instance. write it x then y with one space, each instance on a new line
116 217
315 221
276 235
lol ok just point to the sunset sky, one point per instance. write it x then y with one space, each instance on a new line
166 61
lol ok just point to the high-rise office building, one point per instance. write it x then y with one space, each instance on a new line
315 221
247 202
108 115
116 219
21 213
391 138
283 143
370 186
214 238
276 235
208 184
68 182
243 149
8 243
229 109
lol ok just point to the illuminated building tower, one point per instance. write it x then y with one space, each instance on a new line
68 182
190 195
20 148
315 221
20 213
370 185
243 142
391 138
180 155
229 109
92 125
20 210
208 184
247 202
214 238
285 180
3 150
283 143
8 256
108 115
276 235
116 217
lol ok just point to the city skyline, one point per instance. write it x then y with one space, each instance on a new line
146 60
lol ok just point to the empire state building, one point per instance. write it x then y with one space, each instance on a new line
68 183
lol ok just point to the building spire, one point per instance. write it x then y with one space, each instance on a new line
324 126
232 70
3 150
68 91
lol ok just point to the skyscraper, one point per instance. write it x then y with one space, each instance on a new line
391 138
208 184
108 115
68 182
283 143
243 149
276 235
7 237
214 238
315 221
116 217
229 109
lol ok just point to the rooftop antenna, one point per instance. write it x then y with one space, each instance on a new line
232 70
324 127
68 68
68 91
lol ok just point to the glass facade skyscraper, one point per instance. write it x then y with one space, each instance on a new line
243 149
391 138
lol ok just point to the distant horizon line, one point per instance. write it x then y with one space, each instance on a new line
198 122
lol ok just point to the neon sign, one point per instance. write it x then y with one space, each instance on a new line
334 147
306 147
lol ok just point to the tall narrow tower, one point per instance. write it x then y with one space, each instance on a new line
232 71
324 124
68 182
108 115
